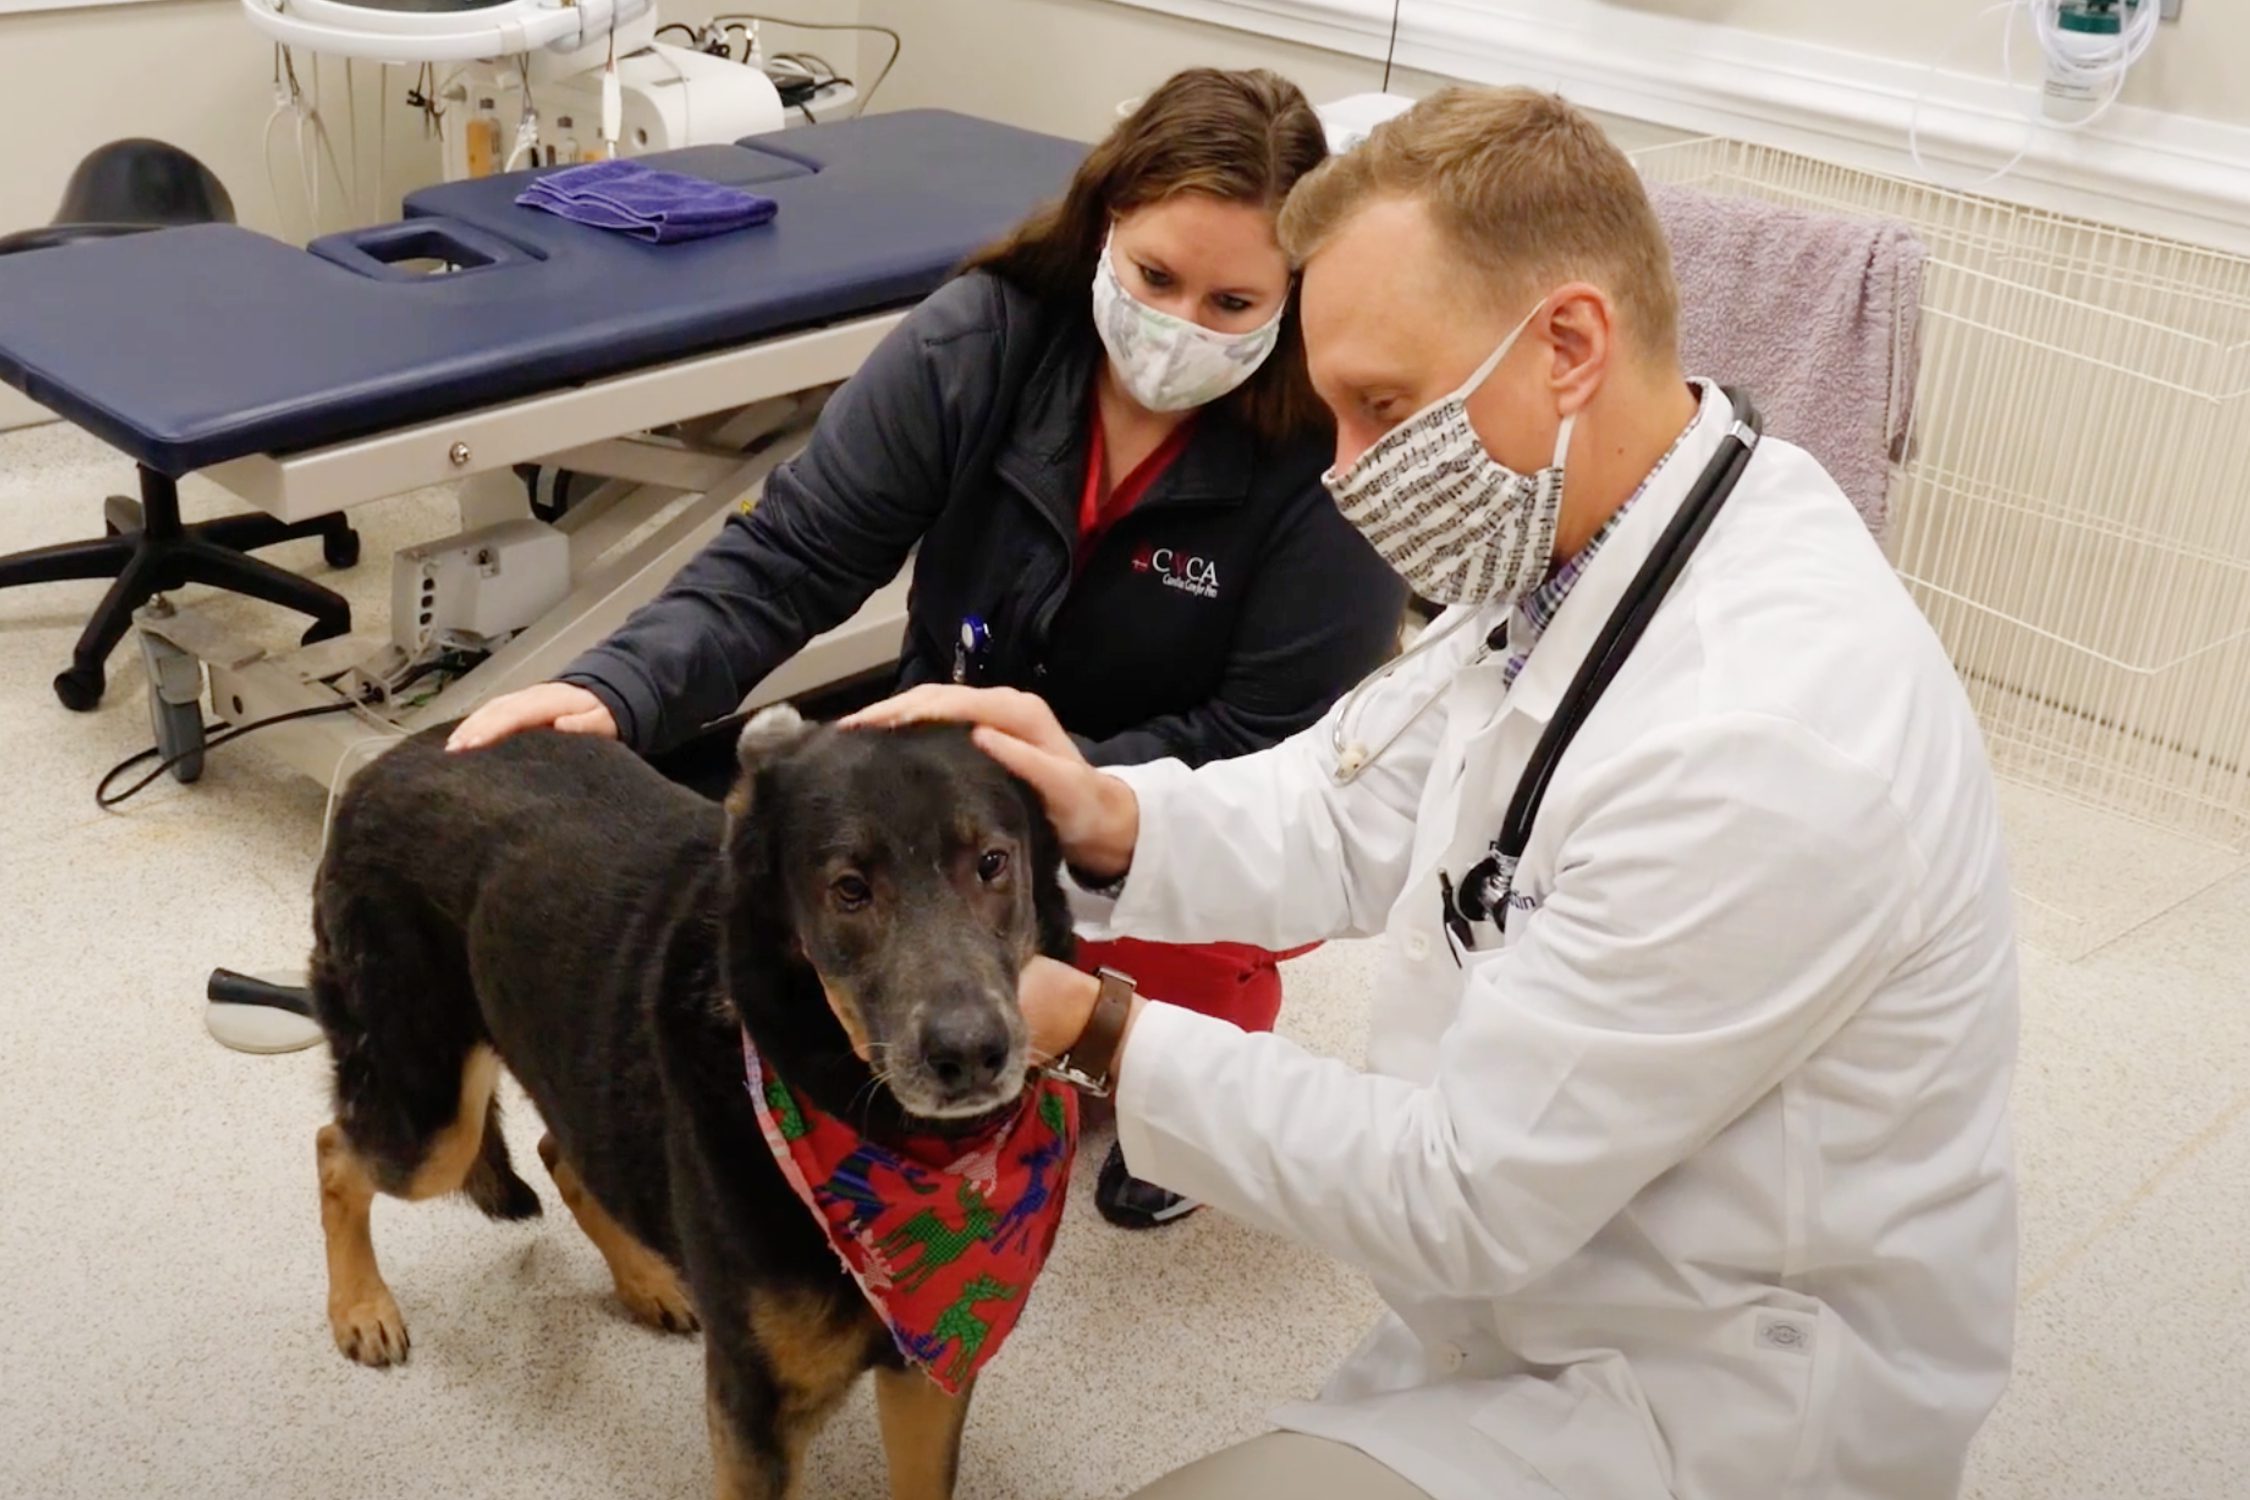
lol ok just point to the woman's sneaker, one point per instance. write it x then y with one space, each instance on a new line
1130 1203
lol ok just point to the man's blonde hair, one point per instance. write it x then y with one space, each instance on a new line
1526 188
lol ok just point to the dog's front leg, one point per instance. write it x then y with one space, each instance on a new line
777 1371
747 1459
921 1433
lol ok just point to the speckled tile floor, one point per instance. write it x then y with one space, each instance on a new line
160 1279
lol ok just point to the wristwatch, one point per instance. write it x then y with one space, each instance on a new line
1090 1066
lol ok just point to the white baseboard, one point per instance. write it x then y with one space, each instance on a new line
2142 169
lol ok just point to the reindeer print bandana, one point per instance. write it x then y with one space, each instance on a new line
944 1235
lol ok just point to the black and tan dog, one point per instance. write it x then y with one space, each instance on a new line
553 906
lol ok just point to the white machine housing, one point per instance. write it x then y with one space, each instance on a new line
475 589
1348 120
673 97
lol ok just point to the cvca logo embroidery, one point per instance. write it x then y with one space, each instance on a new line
1178 570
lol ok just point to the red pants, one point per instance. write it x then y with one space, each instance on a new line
1229 981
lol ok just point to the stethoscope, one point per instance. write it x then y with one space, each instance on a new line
1483 891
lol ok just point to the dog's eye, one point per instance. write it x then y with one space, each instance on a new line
992 866
851 892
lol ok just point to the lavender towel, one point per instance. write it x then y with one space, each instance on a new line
1818 315
663 208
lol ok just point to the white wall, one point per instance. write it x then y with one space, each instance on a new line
1056 63
1064 65
1837 79
2199 66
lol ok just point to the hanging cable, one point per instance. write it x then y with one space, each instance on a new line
218 735
382 141
527 122
898 43
613 97
2080 63
1390 50
351 113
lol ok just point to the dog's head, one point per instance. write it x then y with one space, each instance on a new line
913 877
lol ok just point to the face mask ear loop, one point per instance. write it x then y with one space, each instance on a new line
1483 372
1562 455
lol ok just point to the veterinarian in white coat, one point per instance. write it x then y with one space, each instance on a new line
1690 1175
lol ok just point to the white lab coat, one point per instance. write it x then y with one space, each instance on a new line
1696 1182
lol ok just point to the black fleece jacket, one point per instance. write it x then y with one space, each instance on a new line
1225 612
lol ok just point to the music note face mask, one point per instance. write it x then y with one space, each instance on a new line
1457 524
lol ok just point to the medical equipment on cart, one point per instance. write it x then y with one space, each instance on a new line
534 82
665 98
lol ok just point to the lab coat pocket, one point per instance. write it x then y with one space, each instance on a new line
1586 1431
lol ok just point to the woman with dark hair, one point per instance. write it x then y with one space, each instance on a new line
1103 440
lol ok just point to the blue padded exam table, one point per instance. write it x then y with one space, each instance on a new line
311 380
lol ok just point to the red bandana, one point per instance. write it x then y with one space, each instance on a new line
944 1236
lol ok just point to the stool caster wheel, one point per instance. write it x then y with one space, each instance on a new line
340 549
179 732
80 688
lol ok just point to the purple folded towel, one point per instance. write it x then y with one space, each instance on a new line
1818 315
663 208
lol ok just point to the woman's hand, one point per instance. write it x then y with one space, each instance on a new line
550 705
1096 816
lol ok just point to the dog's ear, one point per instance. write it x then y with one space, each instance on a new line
769 733
769 730
1050 908
757 923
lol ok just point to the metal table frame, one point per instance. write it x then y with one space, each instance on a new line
677 447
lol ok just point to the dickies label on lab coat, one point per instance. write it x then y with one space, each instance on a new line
1785 1334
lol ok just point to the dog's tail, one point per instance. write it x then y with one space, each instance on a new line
492 1184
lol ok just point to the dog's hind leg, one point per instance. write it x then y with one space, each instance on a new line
493 1184
921 1433
362 1314
647 1284
414 1075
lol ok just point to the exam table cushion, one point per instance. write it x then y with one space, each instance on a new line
189 347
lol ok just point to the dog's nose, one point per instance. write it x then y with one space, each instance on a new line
966 1047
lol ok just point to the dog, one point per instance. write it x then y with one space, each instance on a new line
859 908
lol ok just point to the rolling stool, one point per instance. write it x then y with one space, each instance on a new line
132 187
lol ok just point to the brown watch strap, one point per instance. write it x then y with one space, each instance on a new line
1091 1063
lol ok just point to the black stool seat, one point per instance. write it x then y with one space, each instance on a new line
133 187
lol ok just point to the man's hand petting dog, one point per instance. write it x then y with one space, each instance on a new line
1095 815
561 706
1057 1003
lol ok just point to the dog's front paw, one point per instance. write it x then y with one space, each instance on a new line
660 1303
370 1330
